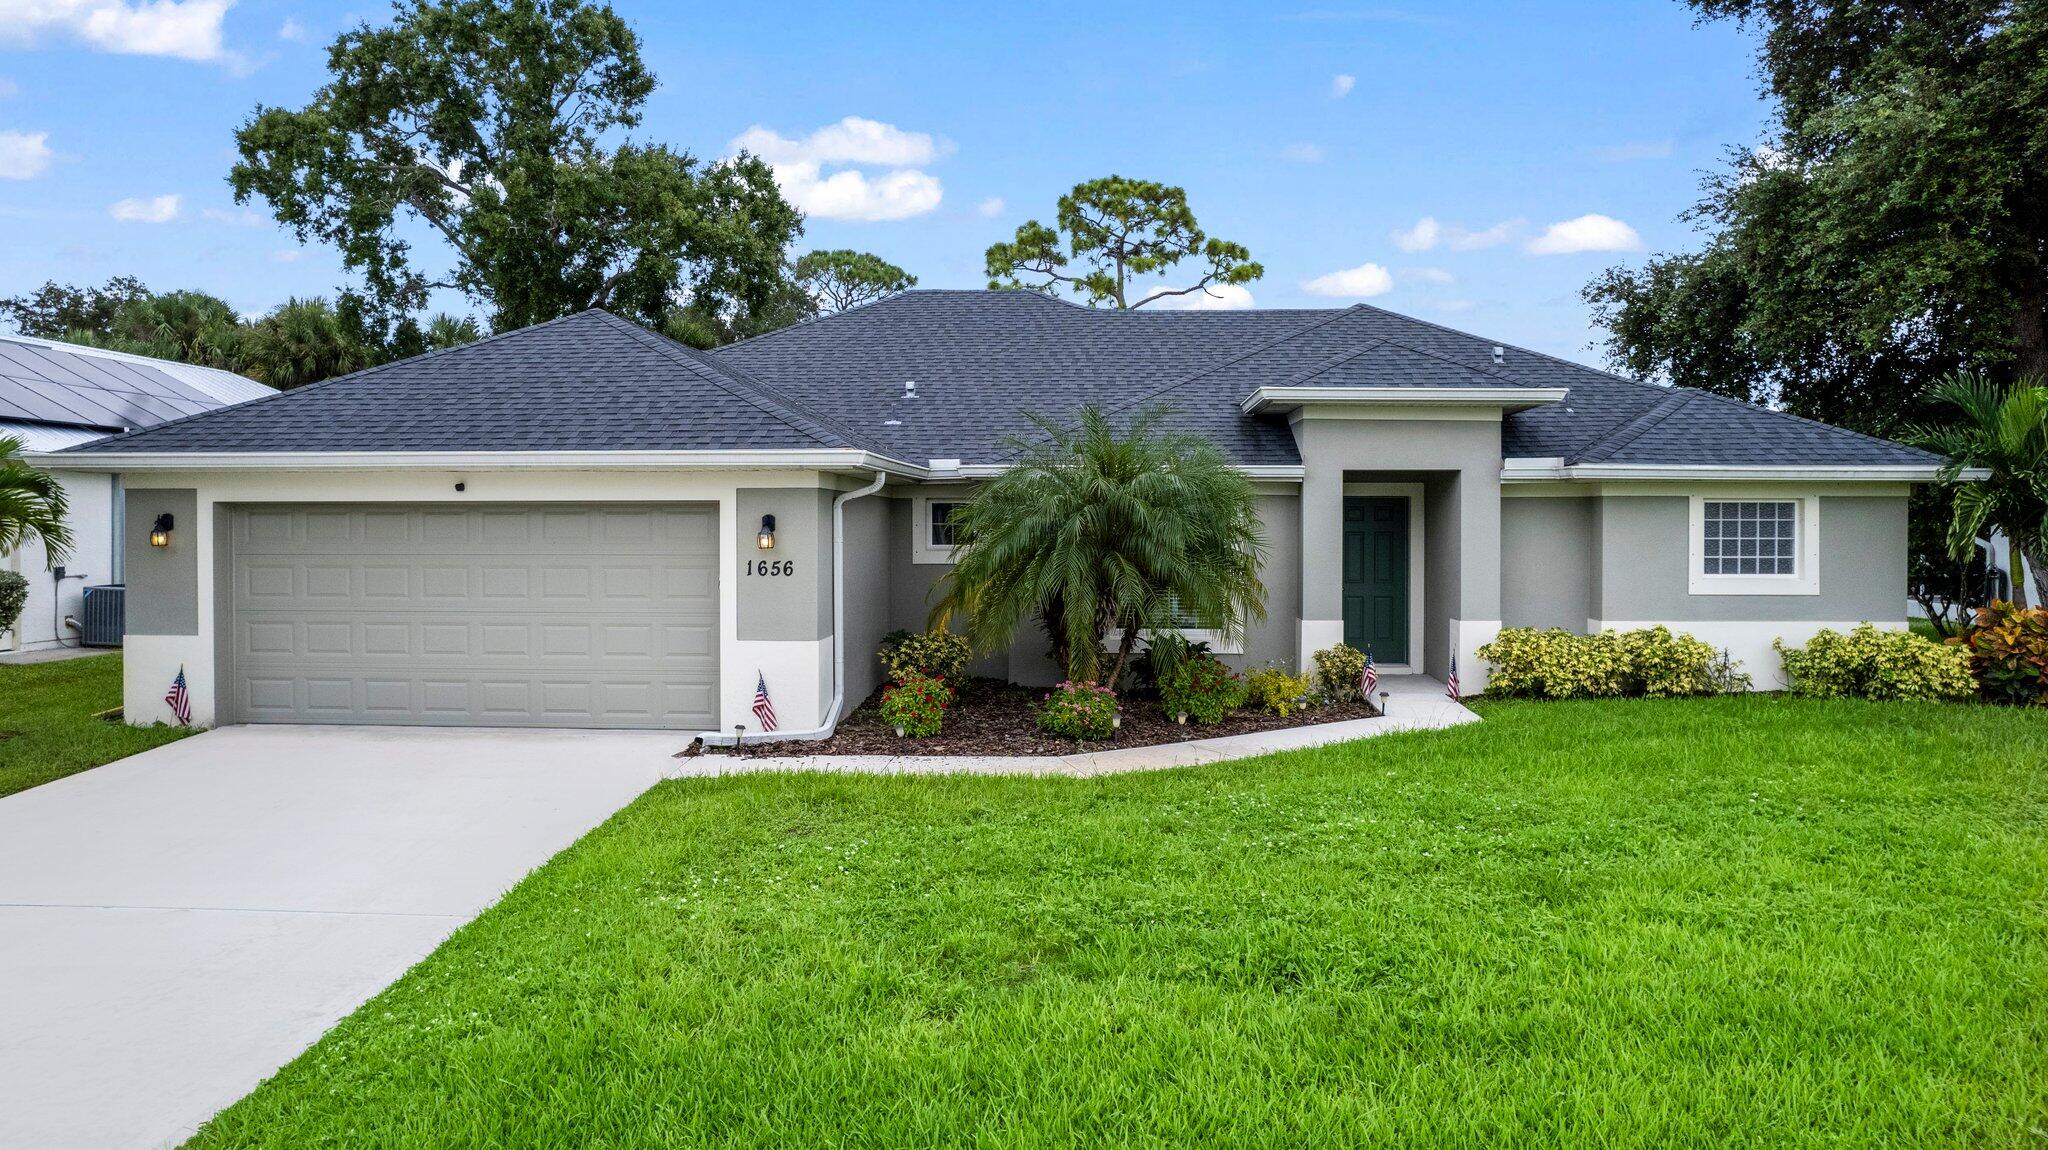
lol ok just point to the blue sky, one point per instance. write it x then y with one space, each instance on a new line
1545 141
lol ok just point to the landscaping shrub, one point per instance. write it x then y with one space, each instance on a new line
1078 711
1871 664
1274 690
1557 664
13 596
1201 688
2008 649
1338 670
917 705
1164 651
931 654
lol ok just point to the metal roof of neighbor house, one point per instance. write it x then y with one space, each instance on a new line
981 360
54 384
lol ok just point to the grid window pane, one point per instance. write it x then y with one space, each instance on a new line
1750 538
941 527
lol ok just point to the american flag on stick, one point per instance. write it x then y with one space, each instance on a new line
1369 679
764 711
180 700
1451 688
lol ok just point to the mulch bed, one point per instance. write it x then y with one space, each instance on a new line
990 717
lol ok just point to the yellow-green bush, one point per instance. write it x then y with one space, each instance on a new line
931 654
1274 690
1871 664
1557 664
1338 670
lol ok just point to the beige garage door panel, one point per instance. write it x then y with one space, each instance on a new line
603 616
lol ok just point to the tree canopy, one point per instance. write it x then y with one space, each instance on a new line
841 278
1893 230
495 127
1120 230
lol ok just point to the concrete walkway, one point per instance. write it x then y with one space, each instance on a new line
54 654
176 926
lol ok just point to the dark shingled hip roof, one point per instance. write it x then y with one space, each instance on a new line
981 360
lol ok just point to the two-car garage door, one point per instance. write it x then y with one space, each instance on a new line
495 615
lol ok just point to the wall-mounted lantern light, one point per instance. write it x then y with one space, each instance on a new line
766 539
160 531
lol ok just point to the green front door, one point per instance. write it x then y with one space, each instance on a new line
1376 576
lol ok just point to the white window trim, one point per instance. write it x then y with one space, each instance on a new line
921 549
1805 577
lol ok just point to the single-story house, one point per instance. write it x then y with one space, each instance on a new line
585 524
55 395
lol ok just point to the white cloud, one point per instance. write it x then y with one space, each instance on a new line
1588 233
1430 275
293 30
1420 238
991 207
1303 153
186 29
156 210
1428 233
24 155
1354 283
1642 150
1341 85
1216 297
849 194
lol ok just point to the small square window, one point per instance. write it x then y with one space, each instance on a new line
941 527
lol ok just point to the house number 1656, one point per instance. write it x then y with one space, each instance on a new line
771 567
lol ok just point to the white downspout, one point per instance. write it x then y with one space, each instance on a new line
831 721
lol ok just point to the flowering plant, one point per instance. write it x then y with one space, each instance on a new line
1079 711
917 705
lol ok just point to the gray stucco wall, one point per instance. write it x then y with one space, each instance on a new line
163 582
868 580
795 605
1550 550
1645 553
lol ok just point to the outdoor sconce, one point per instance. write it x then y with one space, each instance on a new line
766 539
160 531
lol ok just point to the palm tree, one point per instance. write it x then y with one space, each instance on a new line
2003 430
32 505
1092 531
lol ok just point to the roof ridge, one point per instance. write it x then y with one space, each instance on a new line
1632 428
1213 368
1878 439
1335 361
1557 359
305 388
792 413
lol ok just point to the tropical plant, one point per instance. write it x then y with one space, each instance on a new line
1093 529
1078 711
916 705
2003 430
13 597
1340 671
936 654
2008 649
1273 690
1201 688
32 505
1121 229
1871 664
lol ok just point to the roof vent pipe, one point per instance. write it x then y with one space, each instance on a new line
1500 355
910 389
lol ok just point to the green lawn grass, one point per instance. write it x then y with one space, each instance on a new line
47 729
1754 921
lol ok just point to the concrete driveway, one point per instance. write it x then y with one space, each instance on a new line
176 926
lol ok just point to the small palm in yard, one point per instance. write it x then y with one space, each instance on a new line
1096 530
2005 430
32 505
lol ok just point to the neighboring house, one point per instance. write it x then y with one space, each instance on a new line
57 395
562 526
